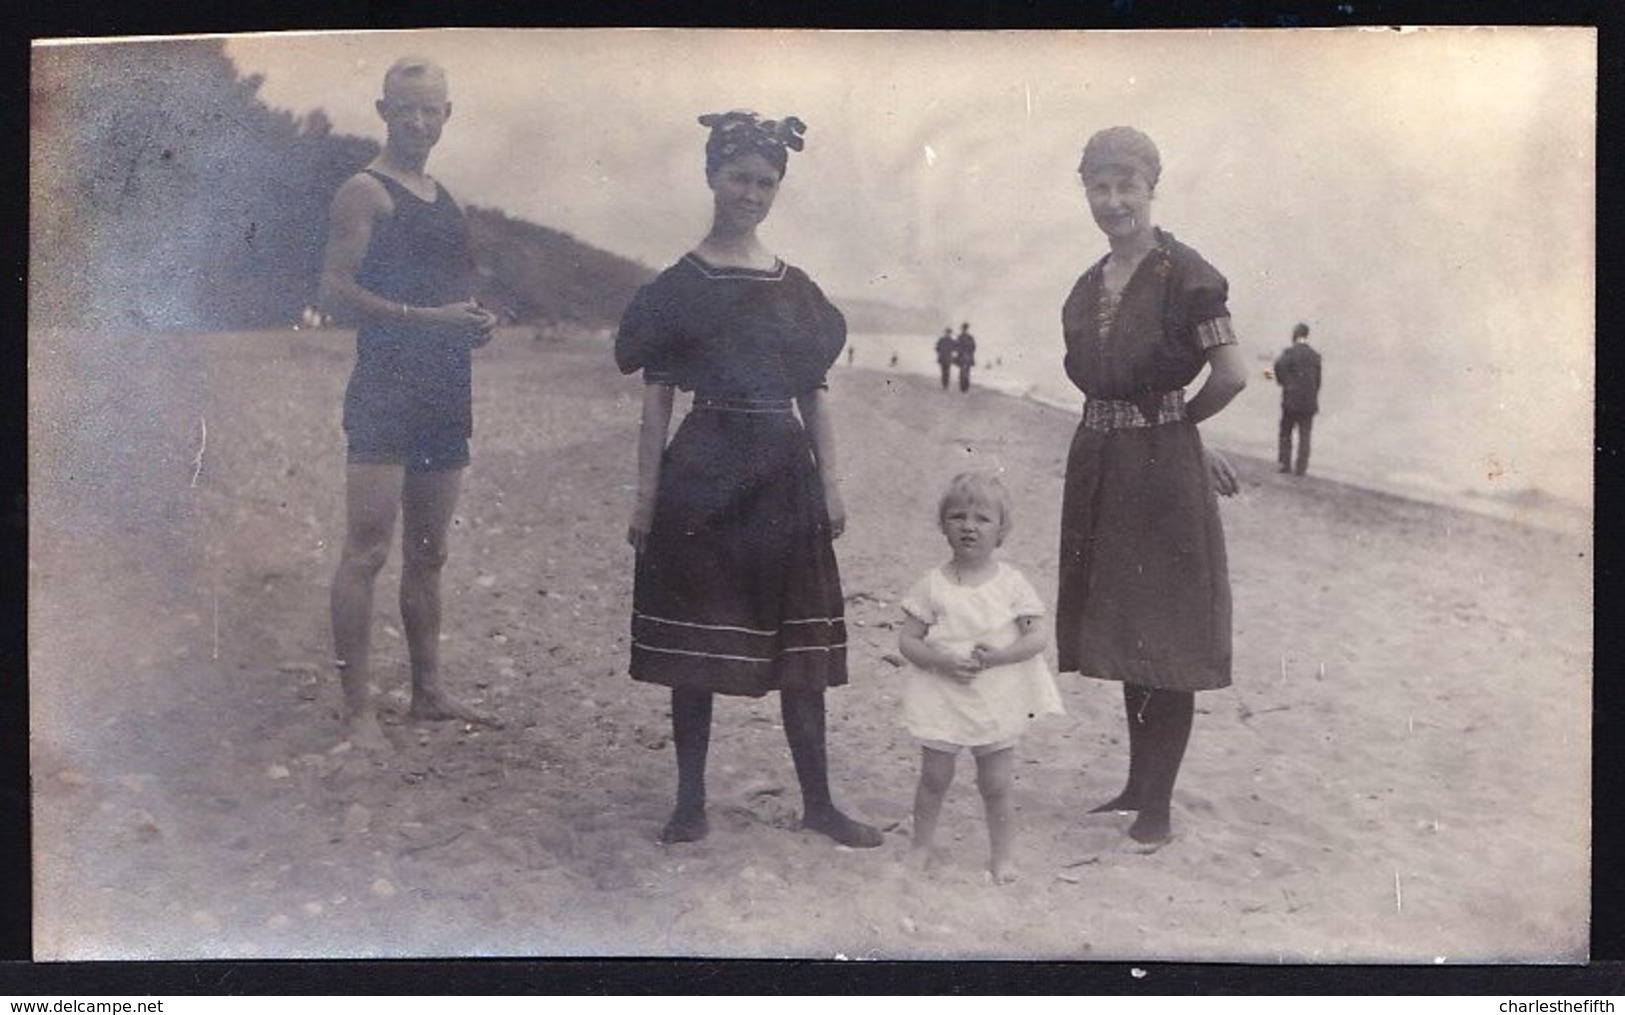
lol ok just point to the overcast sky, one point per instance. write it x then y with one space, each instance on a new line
1424 198
1370 175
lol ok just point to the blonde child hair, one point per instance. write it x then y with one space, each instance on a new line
977 488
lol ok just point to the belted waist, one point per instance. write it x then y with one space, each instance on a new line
1109 414
762 405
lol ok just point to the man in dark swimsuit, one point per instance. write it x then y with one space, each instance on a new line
398 266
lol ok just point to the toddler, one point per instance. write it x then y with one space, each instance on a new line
972 629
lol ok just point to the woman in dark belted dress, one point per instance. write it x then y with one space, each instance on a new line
737 589
1144 591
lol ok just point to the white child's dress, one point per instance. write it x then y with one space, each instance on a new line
1000 703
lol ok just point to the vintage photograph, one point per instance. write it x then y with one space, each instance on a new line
1058 495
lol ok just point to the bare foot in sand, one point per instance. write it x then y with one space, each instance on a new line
438 706
1003 872
922 860
365 734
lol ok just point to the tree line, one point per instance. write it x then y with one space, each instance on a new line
165 195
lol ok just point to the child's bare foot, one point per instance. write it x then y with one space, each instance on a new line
842 829
1003 872
438 706
364 733
922 859
685 826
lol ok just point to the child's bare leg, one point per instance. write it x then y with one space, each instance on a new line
995 777
936 775
427 502
372 493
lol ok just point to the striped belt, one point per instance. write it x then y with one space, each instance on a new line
777 406
1109 414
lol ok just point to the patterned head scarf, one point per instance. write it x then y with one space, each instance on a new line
1122 148
741 132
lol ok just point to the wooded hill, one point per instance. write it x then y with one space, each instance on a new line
165 195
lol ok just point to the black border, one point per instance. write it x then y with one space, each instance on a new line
88 19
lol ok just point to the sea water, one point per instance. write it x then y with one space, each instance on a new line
1510 441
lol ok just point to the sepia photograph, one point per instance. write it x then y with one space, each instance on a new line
871 495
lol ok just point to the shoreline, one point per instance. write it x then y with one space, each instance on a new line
1531 506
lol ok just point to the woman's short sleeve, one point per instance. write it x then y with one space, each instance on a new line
918 602
1198 314
1215 332
1204 292
1208 311
641 340
825 325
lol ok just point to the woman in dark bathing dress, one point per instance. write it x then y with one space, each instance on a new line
1144 588
737 589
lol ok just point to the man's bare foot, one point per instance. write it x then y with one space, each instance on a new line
438 706
364 733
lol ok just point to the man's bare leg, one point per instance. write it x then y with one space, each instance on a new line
428 500
372 495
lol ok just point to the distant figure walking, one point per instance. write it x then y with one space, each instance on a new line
965 355
1297 371
947 350
399 265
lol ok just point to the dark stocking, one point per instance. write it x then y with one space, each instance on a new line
1159 726
1135 699
1167 730
691 735
803 713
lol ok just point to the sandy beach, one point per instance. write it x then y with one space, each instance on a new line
1400 773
